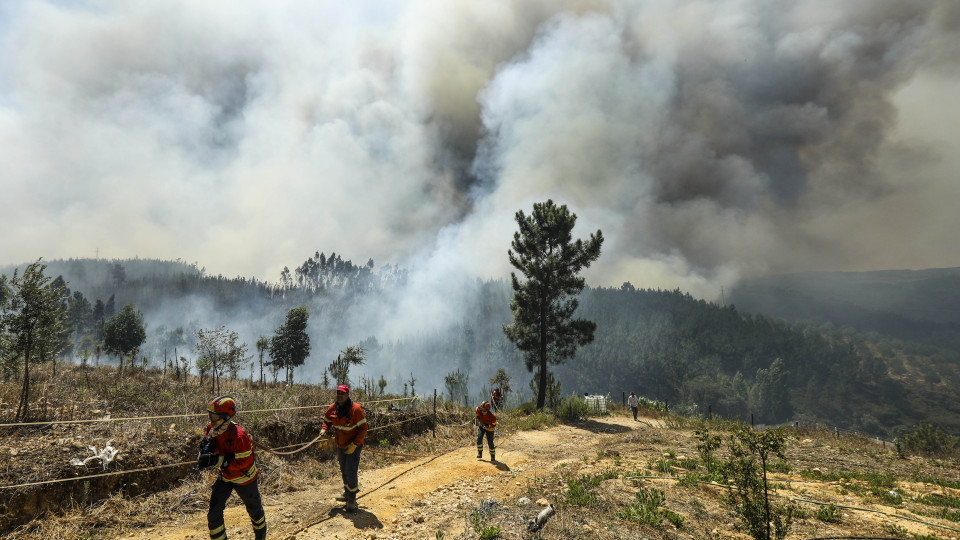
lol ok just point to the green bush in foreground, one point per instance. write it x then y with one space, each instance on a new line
750 498
646 510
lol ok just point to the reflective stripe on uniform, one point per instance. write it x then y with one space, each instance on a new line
348 428
246 477
260 523
242 455
218 533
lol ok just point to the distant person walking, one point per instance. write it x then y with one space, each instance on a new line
634 404
487 424
349 423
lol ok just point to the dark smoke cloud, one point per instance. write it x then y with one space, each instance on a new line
709 140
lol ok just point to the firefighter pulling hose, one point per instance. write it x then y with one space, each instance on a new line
487 424
349 423
227 447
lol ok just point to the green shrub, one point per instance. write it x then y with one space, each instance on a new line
646 510
750 452
646 404
706 445
674 518
486 532
572 408
537 420
928 440
829 514
580 487
579 494
689 480
527 407
662 466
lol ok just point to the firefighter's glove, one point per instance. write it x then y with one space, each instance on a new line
323 433
350 448
206 445
206 459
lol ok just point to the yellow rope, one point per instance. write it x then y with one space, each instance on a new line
115 473
191 415
186 462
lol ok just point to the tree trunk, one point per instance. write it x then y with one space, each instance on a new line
23 409
542 394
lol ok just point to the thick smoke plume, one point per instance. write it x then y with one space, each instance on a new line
708 140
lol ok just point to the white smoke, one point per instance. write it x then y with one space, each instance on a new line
708 140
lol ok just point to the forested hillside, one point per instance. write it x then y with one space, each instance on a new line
664 345
922 306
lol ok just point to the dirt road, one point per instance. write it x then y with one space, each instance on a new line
414 499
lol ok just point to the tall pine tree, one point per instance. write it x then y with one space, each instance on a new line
543 305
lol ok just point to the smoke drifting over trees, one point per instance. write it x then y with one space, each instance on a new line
708 140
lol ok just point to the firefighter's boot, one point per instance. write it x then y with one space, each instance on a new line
480 451
493 454
351 505
260 534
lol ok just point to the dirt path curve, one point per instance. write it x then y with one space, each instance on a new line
414 499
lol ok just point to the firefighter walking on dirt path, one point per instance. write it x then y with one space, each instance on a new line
487 424
349 423
228 448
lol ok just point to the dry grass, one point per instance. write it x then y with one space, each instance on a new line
75 394
845 463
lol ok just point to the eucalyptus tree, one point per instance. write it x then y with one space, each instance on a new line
543 251
263 345
32 318
222 351
290 345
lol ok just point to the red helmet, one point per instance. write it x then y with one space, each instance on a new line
224 405
485 405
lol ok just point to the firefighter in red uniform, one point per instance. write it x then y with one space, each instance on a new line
349 422
488 423
496 398
228 448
